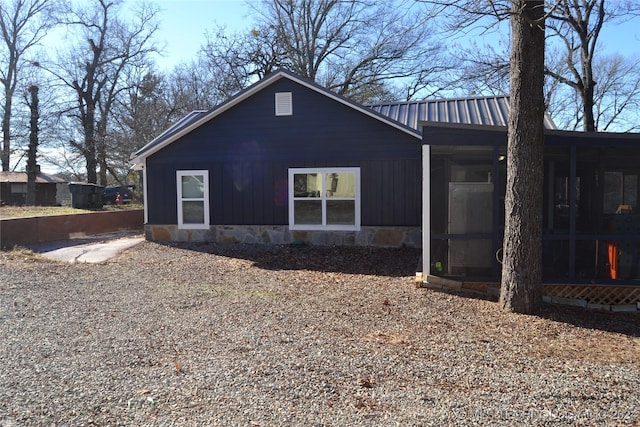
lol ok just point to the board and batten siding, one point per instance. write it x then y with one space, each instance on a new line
248 151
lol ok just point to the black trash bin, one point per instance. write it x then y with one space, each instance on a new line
85 195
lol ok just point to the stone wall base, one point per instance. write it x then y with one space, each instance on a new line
280 234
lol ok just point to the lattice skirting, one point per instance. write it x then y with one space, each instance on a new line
594 294
601 297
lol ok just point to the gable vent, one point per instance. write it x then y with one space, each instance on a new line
284 104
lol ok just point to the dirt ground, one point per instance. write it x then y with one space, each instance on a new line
202 334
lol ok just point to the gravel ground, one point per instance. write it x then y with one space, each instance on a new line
204 335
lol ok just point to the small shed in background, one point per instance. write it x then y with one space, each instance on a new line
13 188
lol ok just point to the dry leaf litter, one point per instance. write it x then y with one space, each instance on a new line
207 335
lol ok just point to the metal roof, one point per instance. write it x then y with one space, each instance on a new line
190 118
183 122
488 111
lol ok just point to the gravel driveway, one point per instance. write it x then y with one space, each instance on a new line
205 335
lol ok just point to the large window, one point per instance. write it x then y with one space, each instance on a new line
324 199
193 199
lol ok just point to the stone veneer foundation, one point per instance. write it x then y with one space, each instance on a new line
280 234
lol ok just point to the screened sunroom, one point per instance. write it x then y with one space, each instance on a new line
590 221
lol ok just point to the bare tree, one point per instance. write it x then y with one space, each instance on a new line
579 25
485 69
143 111
96 73
69 163
364 49
152 102
235 61
23 24
192 87
617 93
574 63
616 97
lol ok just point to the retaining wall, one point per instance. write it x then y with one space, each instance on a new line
30 230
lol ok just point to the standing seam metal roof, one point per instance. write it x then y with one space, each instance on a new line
488 111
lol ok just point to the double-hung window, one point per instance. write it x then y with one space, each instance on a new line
193 199
324 198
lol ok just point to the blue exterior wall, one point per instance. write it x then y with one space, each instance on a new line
248 150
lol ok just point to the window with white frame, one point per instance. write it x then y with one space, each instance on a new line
193 199
324 198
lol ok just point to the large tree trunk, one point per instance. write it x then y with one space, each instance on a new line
90 158
32 165
101 150
102 164
588 120
6 132
521 289
588 86
90 154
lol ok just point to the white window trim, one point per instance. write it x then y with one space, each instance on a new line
205 199
324 226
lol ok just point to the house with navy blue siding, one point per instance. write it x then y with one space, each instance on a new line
285 161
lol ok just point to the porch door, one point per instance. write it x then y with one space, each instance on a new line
470 212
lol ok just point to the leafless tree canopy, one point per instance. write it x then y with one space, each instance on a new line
575 62
110 98
97 71
23 24
578 26
237 60
365 49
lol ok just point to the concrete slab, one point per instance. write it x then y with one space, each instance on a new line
92 249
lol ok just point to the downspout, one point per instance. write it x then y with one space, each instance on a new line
426 212
144 195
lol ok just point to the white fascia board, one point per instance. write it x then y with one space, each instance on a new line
137 164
